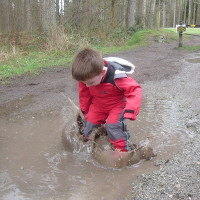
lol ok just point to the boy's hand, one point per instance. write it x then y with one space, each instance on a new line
130 116
84 113
85 138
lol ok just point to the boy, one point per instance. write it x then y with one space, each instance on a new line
106 96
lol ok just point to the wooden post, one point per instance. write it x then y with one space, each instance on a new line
158 20
180 39
180 36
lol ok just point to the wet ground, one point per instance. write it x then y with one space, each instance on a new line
34 110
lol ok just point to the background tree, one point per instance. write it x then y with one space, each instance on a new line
48 17
131 10
6 16
158 16
164 14
152 16
42 15
190 12
185 10
112 12
198 13
174 7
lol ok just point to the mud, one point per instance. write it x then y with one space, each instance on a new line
33 112
99 145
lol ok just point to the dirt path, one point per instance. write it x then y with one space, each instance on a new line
167 75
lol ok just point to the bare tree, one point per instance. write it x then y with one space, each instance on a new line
174 19
28 16
185 10
57 5
198 13
194 12
144 6
124 11
179 4
42 15
6 16
190 12
164 14
48 17
86 13
158 16
101 11
65 18
112 12
131 10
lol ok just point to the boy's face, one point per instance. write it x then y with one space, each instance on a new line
96 80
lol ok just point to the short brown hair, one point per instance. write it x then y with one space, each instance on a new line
86 64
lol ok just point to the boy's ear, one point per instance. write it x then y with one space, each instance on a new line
104 70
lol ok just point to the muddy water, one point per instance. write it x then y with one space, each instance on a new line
34 165
194 60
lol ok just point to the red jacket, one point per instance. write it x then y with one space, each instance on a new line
114 90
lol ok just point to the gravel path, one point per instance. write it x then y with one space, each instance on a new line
179 176
163 72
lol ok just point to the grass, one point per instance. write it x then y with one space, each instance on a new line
191 48
195 31
187 34
40 51
141 38
30 63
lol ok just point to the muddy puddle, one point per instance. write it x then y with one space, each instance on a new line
195 59
34 165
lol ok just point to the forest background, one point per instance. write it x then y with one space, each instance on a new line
36 33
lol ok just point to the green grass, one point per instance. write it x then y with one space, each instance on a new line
33 59
141 38
191 48
195 31
187 34
30 63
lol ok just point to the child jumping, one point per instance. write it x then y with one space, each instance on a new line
107 95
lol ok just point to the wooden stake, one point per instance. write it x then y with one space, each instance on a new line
180 39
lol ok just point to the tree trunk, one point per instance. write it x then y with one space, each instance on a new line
131 10
153 6
48 14
144 13
17 16
174 19
169 14
66 10
28 16
76 13
190 12
6 15
198 13
86 13
58 11
112 12
179 10
158 17
194 12
124 10
101 14
164 14
185 10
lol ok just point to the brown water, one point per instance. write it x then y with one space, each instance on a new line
194 60
34 165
